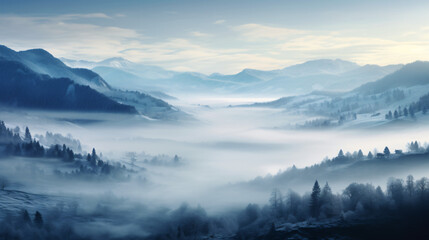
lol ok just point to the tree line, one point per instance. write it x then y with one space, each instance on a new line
422 105
27 146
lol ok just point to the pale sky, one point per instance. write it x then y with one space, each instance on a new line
220 36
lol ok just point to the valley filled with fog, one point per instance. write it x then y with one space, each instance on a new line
212 163
221 146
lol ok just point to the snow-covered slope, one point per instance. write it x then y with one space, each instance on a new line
367 105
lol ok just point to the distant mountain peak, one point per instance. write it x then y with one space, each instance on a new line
38 51
320 66
115 59
40 55
326 62
216 74
117 62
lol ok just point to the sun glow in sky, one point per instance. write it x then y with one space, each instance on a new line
220 36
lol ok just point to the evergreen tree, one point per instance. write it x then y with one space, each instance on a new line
93 158
413 146
411 112
315 200
386 151
176 159
355 155
395 190
25 217
326 201
341 153
38 220
405 112
276 202
360 154
27 136
410 185
94 154
396 114
370 156
326 191
379 194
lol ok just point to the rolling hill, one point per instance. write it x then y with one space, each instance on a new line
22 87
413 74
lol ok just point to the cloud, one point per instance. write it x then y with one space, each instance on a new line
363 50
251 45
200 34
220 21
89 15
257 32
64 37
301 45
330 42
184 55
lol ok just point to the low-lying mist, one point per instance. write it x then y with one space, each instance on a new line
223 145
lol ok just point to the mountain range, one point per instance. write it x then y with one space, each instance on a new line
86 91
323 74
42 62
127 83
22 87
302 78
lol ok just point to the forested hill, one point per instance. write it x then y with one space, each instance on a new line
12 144
22 87
350 168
